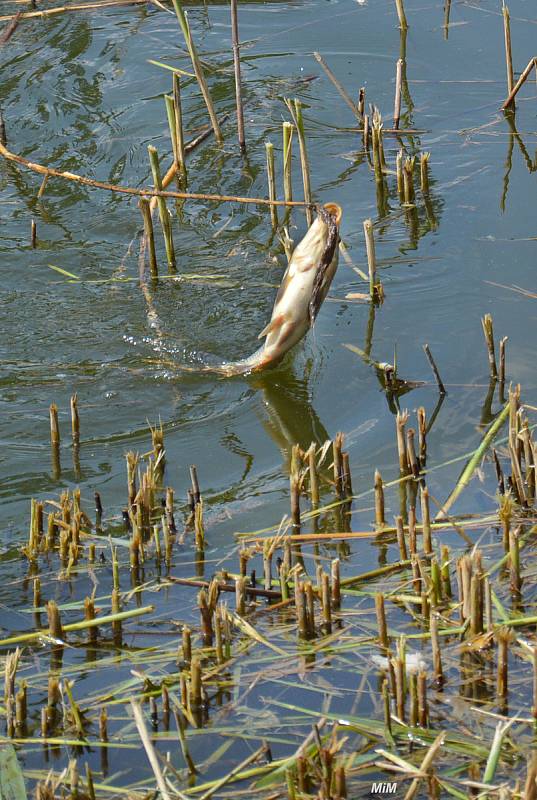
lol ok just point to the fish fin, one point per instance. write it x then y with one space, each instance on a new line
286 280
274 323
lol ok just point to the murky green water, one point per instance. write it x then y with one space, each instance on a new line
78 93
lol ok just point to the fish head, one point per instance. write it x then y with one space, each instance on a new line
335 211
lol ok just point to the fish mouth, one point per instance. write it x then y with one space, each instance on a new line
335 211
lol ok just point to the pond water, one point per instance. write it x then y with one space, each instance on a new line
79 93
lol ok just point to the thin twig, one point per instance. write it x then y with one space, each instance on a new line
10 29
82 180
441 387
426 764
151 753
47 12
342 91
222 782
531 64
254 591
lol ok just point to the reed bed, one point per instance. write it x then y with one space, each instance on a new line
394 647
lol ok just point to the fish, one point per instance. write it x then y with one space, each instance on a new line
302 291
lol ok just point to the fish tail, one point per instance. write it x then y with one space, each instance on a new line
229 369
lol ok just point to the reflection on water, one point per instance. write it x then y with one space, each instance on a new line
514 136
289 416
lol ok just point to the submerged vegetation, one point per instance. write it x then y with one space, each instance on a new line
141 660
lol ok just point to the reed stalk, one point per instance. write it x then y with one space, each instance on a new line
301 611
295 502
89 613
436 373
295 109
401 14
164 214
476 605
287 131
310 608
487 602
336 584
326 603
397 101
55 438
435 644
381 621
55 630
337 446
488 331
444 572
341 90
508 49
399 674
199 526
313 476
412 526
365 132
376 140
426 520
360 106
400 422
504 638
198 69
411 456
371 259
423 708
186 644
196 686
399 175
408 180
170 113
346 476
271 177
532 64
178 129
436 583
380 520
150 749
237 72
474 461
403 555
240 596
144 205
514 561
424 173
